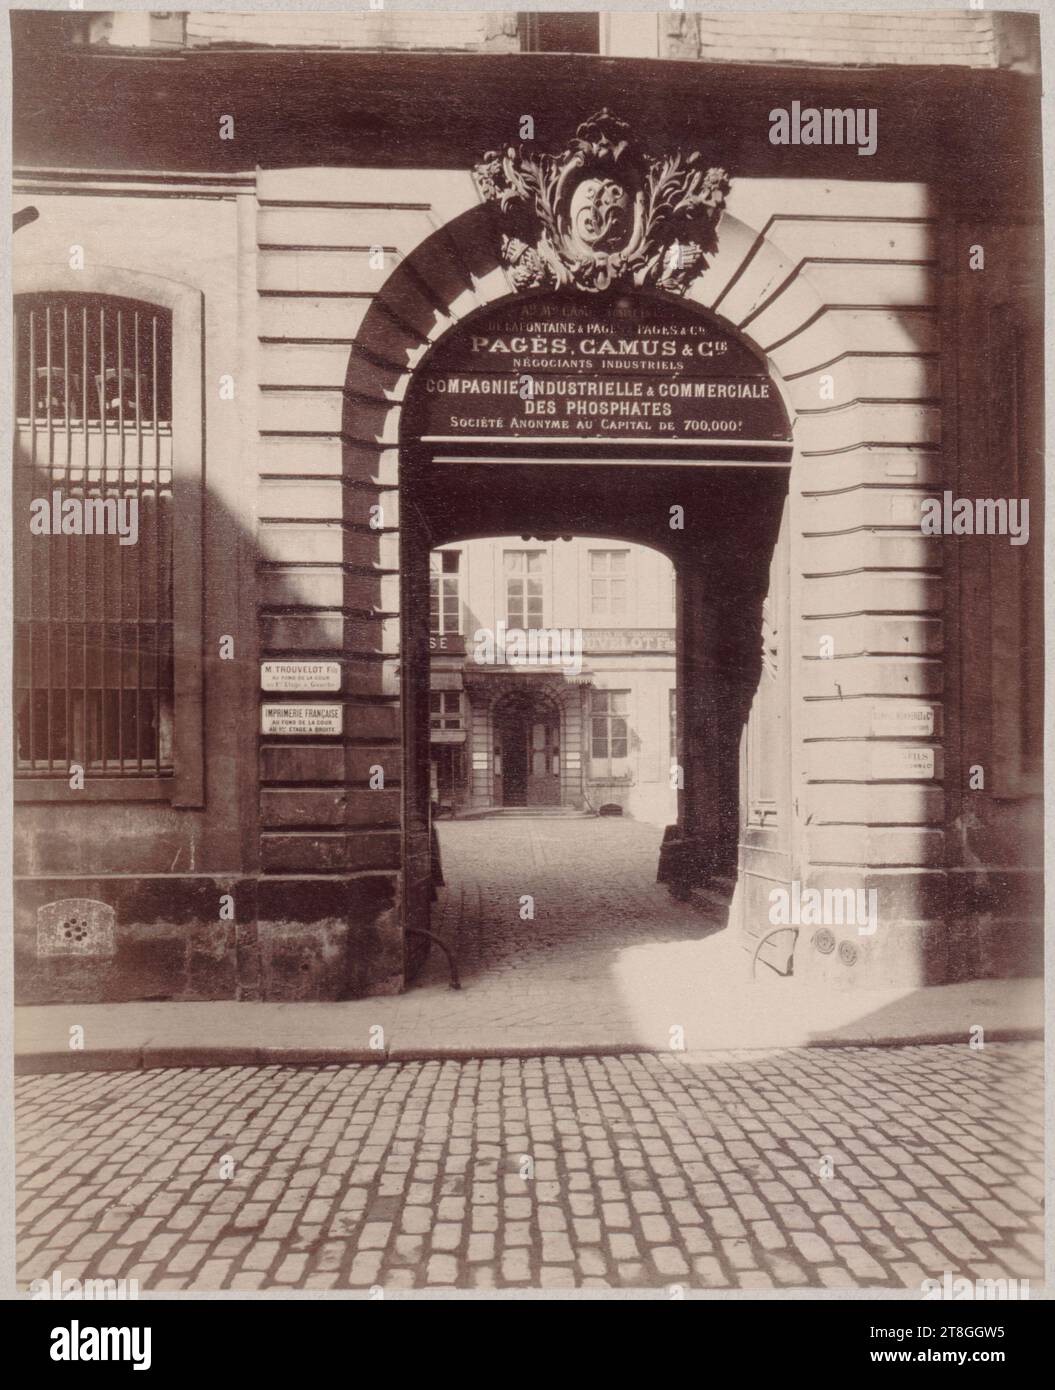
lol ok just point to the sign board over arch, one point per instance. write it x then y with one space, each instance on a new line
635 369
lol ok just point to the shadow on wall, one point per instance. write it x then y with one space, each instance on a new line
278 879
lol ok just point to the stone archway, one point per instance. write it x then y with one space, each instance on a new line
763 294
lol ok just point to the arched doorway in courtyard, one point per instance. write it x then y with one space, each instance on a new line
527 742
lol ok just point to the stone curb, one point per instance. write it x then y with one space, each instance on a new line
152 1058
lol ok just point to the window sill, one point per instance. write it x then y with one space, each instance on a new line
95 789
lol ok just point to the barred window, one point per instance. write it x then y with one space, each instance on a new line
94 535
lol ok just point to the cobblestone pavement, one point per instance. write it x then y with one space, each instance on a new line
606 951
823 1168
609 960
593 887
592 881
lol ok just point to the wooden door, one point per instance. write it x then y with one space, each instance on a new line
543 777
514 759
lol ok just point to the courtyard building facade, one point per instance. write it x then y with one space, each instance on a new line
553 678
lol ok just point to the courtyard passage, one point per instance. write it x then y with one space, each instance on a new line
551 914
806 1168
564 939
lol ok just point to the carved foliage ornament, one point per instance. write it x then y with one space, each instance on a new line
602 213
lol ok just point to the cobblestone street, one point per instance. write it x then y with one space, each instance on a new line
821 1168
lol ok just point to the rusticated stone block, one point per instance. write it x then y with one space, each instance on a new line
380 720
329 851
337 807
169 940
321 763
330 938
315 763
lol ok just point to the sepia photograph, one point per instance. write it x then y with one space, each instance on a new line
526 688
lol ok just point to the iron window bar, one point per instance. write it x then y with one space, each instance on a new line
93 618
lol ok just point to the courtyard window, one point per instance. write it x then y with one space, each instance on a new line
444 592
445 710
608 583
523 576
609 730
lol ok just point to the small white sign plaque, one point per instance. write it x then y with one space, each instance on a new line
894 762
301 719
903 721
300 675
